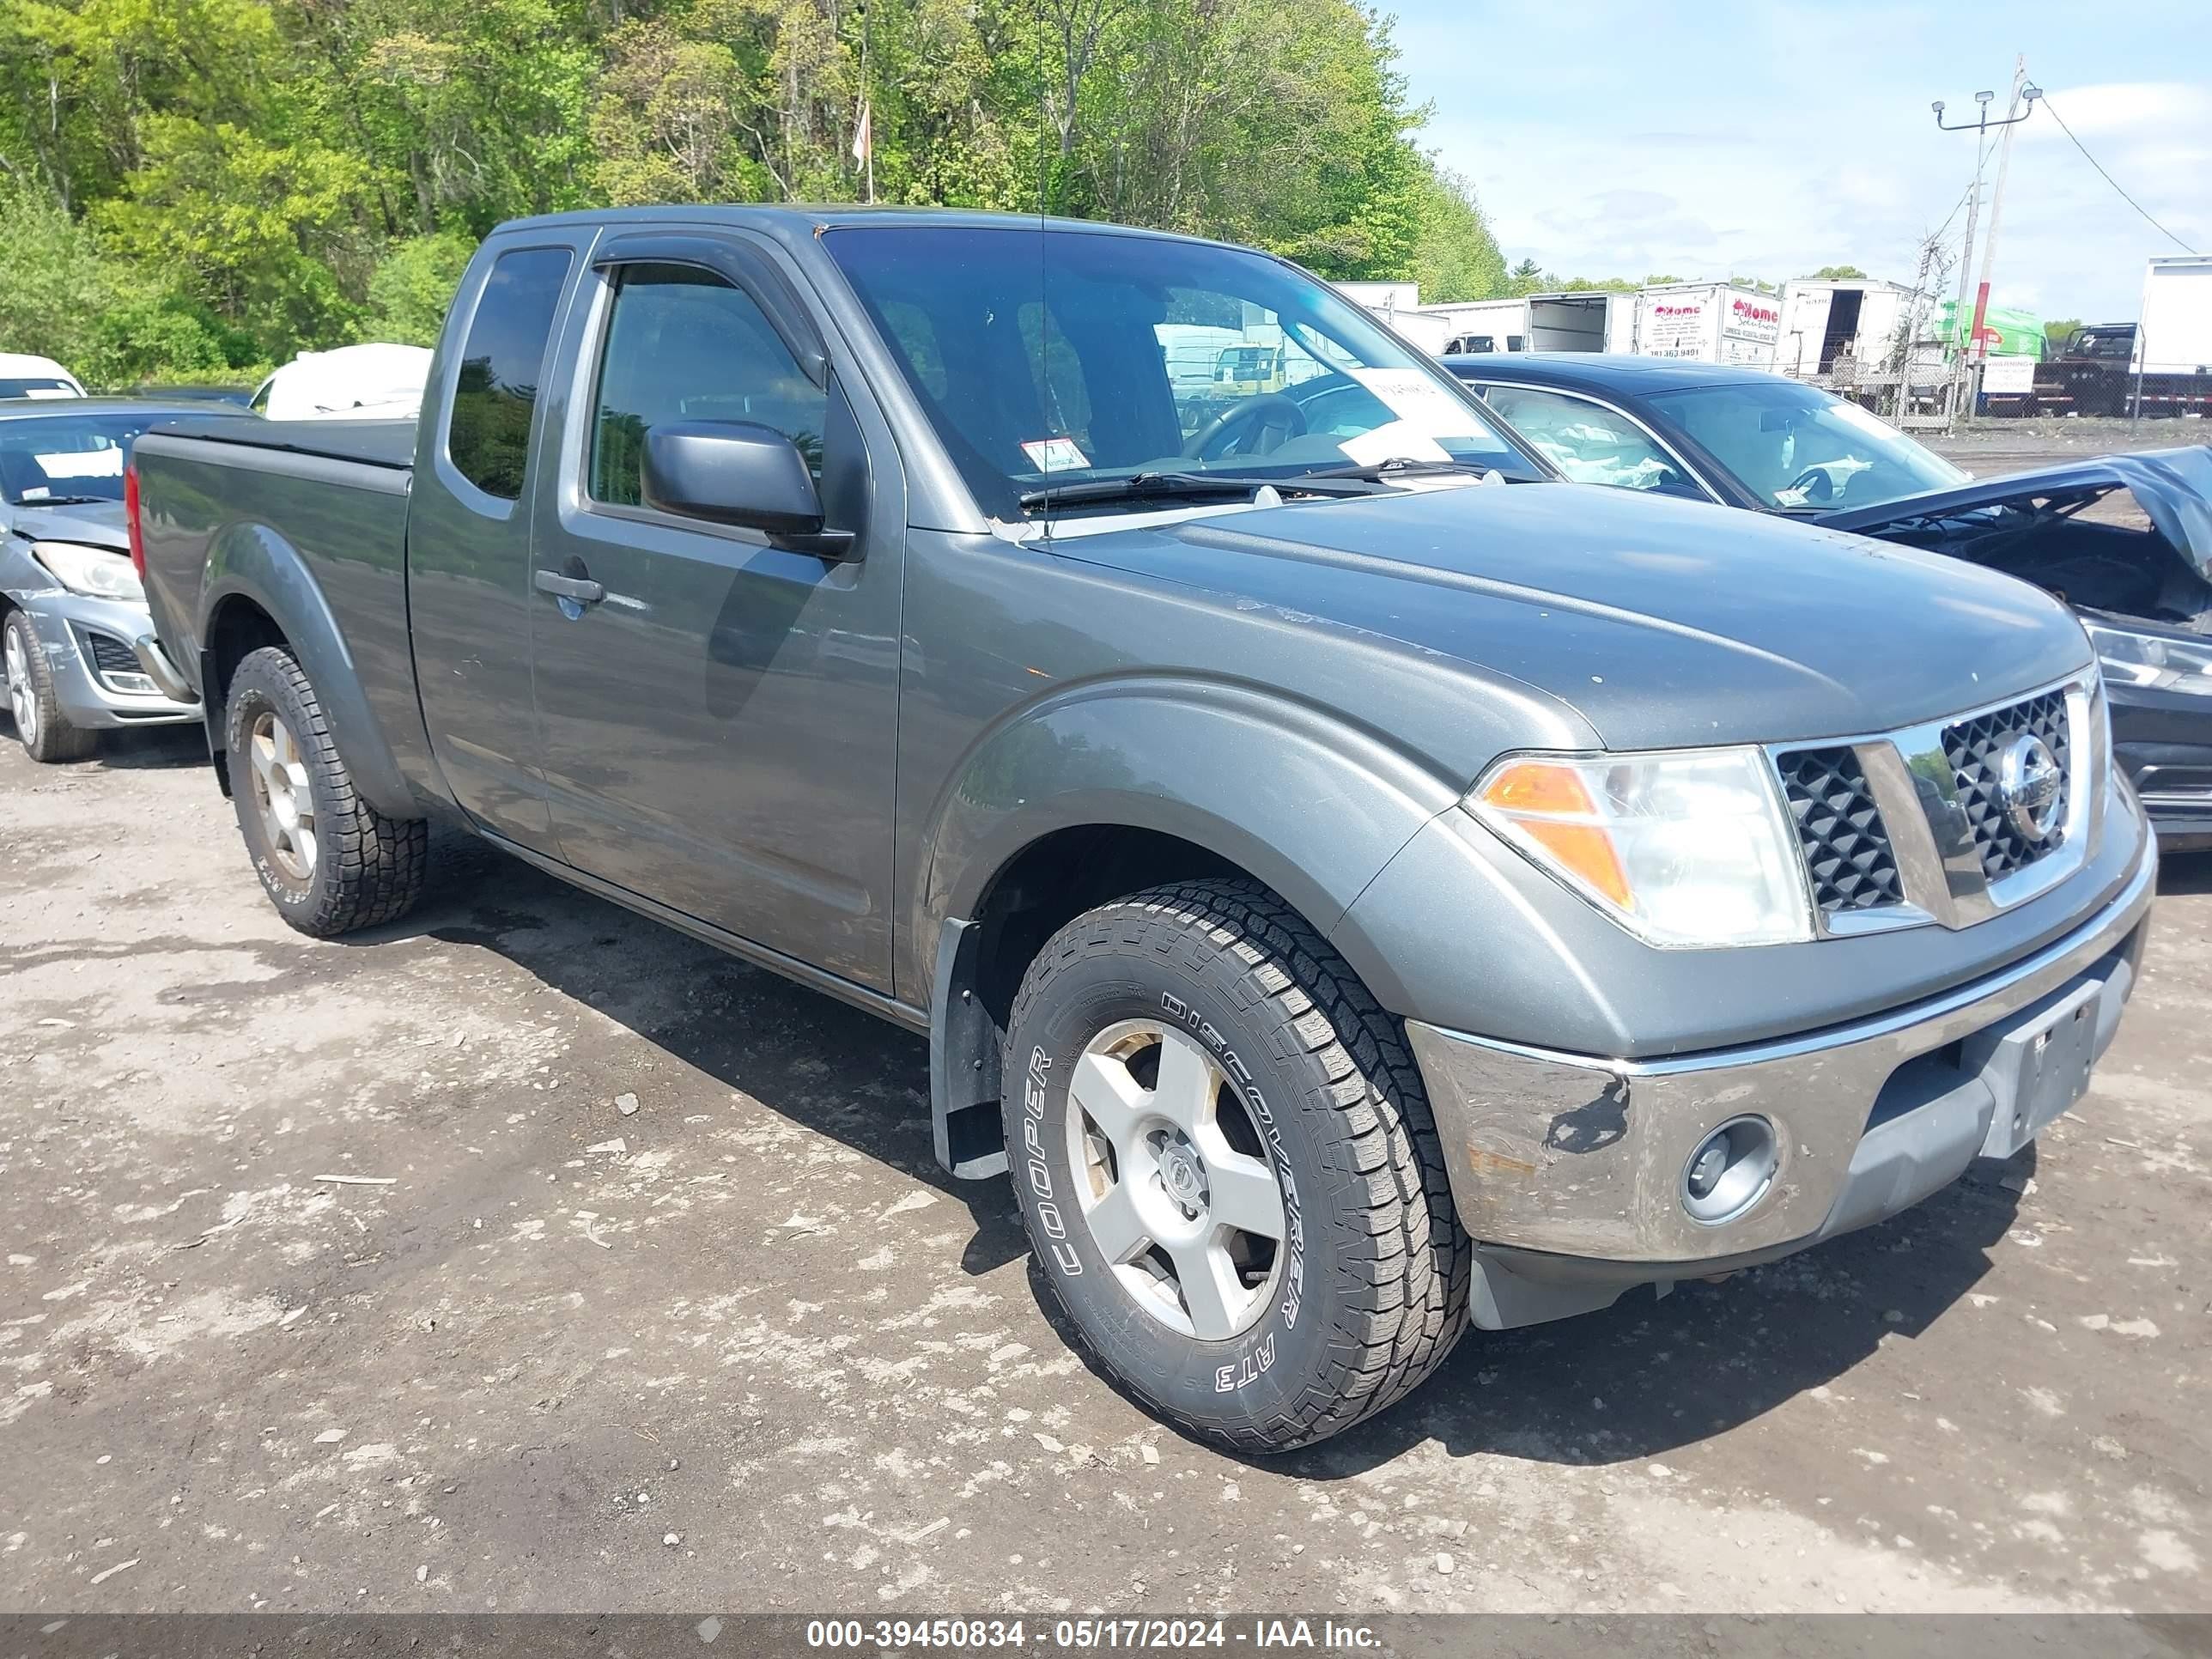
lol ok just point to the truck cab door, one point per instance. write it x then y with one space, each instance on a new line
717 714
468 536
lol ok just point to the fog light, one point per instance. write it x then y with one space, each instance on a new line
1730 1170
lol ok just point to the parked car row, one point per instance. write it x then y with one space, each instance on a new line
1744 438
72 612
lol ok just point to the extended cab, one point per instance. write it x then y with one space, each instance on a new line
1355 887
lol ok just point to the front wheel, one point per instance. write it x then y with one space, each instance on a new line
1225 1162
329 861
40 726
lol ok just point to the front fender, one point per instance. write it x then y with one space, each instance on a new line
1308 802
252 563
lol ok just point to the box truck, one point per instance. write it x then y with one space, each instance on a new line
1826 322
1709 322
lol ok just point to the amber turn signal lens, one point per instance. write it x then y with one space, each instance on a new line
1552 805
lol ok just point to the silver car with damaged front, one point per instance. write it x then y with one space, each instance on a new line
75 636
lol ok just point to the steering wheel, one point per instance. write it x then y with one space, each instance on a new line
1817 484
1273 420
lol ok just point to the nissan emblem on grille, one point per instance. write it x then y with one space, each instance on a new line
1991 760
2027 783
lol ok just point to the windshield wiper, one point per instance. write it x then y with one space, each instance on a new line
1398 466
1167 486
67 501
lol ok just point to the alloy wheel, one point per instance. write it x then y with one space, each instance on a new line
282 795
1174 1180
22 695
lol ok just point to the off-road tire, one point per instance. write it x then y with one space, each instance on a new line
52 738
368 868
1378 1294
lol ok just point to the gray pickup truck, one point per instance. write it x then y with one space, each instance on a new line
1354 886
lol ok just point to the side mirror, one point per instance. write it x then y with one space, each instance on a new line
740 473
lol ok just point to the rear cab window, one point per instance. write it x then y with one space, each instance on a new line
503 365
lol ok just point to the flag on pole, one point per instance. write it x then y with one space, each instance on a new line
864 143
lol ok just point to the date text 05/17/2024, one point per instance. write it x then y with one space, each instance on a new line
1164 1635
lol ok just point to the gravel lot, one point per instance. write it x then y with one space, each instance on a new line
659 1303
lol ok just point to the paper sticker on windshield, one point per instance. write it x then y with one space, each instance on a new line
48 392
1056 454
83 464
1421 403
1393 441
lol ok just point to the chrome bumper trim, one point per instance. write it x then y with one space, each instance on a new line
159 670
1582 1157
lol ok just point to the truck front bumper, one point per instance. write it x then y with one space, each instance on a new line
1572 1172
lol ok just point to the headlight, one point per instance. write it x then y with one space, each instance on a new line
1683 848
2155 661
92 571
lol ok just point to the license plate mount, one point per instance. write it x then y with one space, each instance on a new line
2039 1065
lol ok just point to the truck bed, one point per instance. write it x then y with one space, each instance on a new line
244 519
389 444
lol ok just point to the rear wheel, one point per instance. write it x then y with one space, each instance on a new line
40 726
329 861
1225 1162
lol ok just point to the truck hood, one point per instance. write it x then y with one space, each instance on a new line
100 525
1663 623
2173 486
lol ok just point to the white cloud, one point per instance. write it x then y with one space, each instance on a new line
1758 167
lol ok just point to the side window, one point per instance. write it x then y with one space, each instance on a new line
1589 443
488 430
683 345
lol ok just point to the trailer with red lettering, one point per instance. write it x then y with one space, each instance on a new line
1709 322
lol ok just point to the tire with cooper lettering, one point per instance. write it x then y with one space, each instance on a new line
1225 1161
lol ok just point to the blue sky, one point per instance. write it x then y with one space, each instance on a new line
1768 139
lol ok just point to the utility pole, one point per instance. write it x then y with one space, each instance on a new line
1963 377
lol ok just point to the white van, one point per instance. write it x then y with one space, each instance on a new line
22 375
356 383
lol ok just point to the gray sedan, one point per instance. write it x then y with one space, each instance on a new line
71 610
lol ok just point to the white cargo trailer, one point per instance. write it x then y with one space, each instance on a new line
1583 321
1398 306
1480 324
1825 321
1709 322
2174 337
1598 320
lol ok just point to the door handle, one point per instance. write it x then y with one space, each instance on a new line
582 589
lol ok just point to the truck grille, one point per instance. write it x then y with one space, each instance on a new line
1911 827
1846 847
1976 749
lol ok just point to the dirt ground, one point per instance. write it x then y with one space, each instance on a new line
742 1346
1991 448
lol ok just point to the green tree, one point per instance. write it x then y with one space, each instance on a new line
413 285
192 185
1839 274
2057 330
1455 256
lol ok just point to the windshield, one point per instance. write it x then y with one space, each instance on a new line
1064 356
39 385
1799 447
58 458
